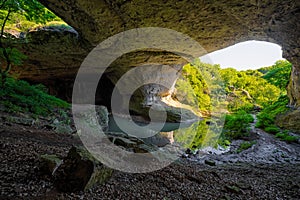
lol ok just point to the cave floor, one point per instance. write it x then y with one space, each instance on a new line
20 147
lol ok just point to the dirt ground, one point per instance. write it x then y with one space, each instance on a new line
20 147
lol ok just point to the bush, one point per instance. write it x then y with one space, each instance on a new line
266 119
272 129
20 96
237 125
286 137
245 145
223 142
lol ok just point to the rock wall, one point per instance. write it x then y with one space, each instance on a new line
215 24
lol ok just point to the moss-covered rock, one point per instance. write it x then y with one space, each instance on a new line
48 163
290 121
130 143
80 171
173 114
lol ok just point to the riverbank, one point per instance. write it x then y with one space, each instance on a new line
264 148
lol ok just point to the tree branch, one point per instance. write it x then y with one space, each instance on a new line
3 4
4 23
5 53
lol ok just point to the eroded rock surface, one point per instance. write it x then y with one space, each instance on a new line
80 171
214 24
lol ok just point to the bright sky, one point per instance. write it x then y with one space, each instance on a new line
246 55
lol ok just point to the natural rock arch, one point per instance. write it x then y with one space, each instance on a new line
215 24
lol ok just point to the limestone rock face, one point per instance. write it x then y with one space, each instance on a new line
215 24
290 121
294 84
53 57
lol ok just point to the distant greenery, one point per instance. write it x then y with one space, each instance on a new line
247 91
25 14
278 74
266 118
195 90
20 96
201 86
264 88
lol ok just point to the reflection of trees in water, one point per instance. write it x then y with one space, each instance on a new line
201 134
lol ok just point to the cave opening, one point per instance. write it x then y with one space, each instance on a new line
252 54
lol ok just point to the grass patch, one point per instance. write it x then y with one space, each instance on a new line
245 145
20 96
286 137
272 129
266 119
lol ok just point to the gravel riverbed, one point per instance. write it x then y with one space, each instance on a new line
184 179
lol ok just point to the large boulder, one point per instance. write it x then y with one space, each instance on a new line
80 171
49 163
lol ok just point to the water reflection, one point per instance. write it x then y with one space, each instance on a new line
199 135
167 126
193 135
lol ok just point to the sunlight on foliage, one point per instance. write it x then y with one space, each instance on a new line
246 91
268 114
201 86
278 74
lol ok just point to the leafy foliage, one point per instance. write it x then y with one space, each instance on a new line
237 125
245 89
201 86
32 10
20 96
15 55
287 137
268 115
195 90
278 74
272 129
245 145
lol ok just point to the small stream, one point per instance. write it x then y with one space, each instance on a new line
267 148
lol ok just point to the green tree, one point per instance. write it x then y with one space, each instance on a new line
279 74
246 88
33 11
194 89
237 125
201 87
